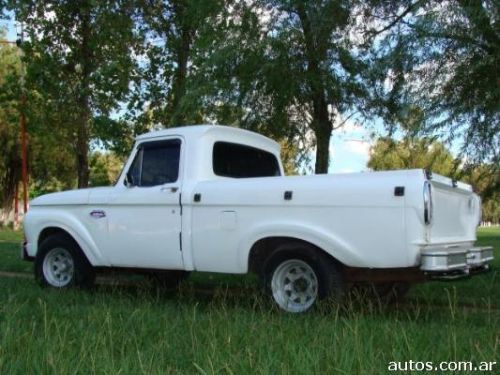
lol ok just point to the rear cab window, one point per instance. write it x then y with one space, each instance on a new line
241 161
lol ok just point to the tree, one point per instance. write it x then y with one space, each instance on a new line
79 57
189 73
10 158
409 153
105 168
326 75
486 183
288 68
177 33
412 151
50 160
444 58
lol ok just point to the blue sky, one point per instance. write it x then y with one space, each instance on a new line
11 29
349 149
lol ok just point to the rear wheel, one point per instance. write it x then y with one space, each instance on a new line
60 263
297 276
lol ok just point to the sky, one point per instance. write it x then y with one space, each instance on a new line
349 149
11 29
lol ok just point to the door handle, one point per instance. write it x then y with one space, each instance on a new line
97 214
172 189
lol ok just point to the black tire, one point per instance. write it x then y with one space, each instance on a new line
168 279
306 265
60 255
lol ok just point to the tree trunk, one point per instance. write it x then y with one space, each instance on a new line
179 84
82 149
84 115
16 208
323 134
322 127
178 117
321 124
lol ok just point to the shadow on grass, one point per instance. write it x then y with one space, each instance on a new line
251 298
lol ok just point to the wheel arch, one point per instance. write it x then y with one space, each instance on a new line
264 247
42 223
61 262
52 230
333 248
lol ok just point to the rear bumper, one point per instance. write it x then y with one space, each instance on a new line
455 261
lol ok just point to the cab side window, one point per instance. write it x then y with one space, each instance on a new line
156 163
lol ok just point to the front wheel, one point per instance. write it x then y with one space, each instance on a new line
60 263
298 276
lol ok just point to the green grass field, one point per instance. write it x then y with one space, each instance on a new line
220 324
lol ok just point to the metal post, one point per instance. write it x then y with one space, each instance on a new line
16 207
24 163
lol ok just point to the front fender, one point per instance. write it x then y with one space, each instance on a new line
38 219
337 247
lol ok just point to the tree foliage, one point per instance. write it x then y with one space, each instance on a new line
79 62
177 35
486 182
50 160
442 57
105 168
287 68
409 153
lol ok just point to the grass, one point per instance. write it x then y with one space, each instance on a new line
9 235
10 253
138 329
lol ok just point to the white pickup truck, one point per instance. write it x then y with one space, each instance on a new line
215 198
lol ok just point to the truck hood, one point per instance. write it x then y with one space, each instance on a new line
70 197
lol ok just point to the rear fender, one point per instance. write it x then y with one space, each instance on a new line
338 248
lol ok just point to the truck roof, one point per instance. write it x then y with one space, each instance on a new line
198 131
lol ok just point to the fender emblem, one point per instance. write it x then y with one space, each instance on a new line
98 214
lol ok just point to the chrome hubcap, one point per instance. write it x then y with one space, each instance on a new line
58 267
294 286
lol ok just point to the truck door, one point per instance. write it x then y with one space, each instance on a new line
144 217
